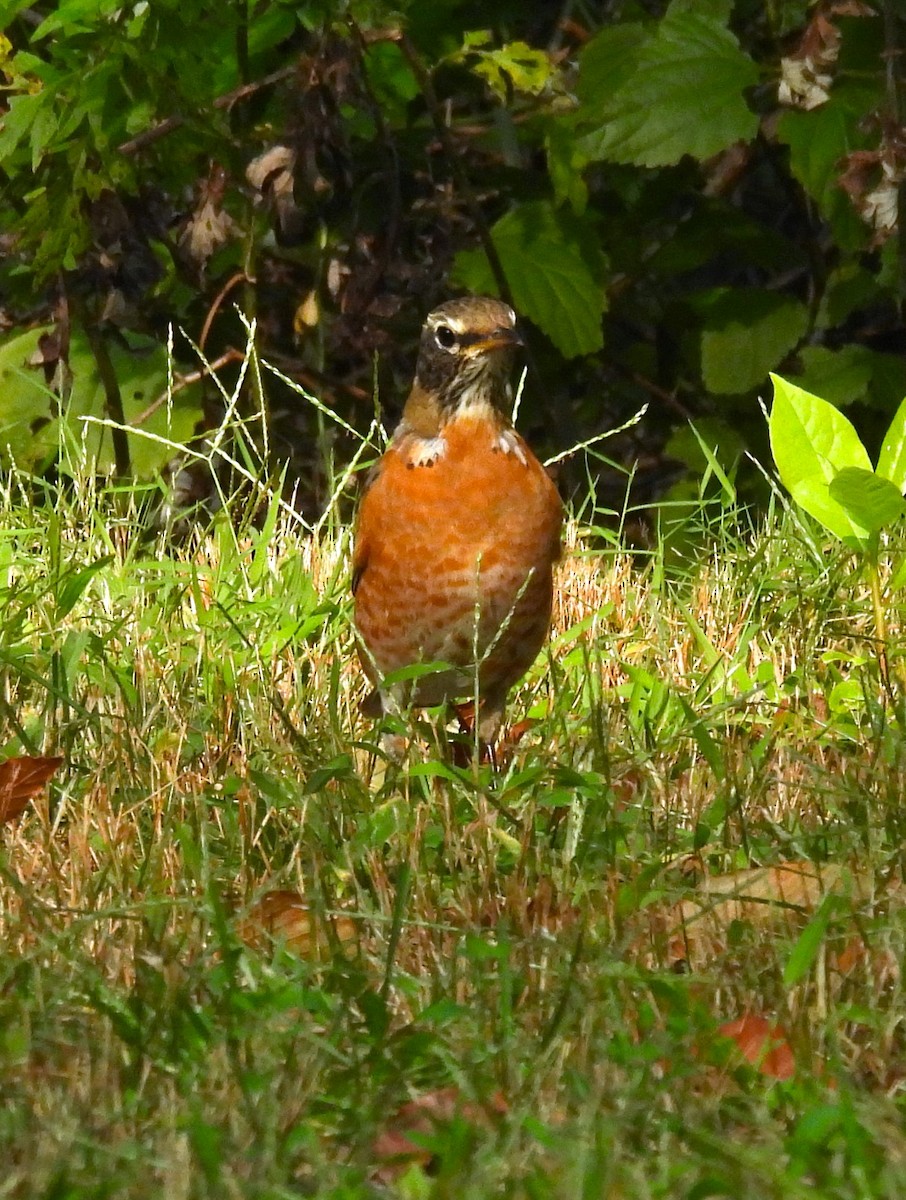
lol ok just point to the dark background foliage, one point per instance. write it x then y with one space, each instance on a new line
677 198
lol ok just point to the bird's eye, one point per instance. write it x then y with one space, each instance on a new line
445 337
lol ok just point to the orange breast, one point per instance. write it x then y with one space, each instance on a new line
454 561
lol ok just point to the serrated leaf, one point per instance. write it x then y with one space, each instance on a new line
547 260
892 459
812 442
746 334
871 500
608 61
684 96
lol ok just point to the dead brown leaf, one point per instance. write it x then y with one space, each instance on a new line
762 1044
21 779
286 916
759 896
394 1148
807 74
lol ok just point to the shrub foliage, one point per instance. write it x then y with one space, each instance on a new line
679 198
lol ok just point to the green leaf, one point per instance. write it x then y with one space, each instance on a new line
548 258
804 953
870 499
514 66
747 332
30 427
811 442
684 95
892 459
848 288
76 16
18 121
818 141
565 165
840 376
608 61
707 745
74 584
391 75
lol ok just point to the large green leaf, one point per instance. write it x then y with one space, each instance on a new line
818 141
30 428
812 442
871 500
840 376
747 332
555 272
608 62
892 459
684 95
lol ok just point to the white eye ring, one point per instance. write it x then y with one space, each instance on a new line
445 337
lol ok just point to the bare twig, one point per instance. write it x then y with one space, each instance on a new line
156 132
233 281
183 381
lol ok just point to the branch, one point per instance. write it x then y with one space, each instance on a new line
156 132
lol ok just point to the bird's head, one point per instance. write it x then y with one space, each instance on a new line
466 356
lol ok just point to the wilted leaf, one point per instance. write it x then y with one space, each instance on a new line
272 171
515 66
398 1146
871 179
762 1044
286 917
812 442
805 75
684 95
555 272
758 896
208 229
21 779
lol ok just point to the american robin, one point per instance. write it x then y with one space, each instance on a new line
458 529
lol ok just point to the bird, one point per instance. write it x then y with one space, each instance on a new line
458 530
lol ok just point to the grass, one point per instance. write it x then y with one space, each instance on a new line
246 955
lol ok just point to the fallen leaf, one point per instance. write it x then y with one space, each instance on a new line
758 896
286 916
395 1149
21 779
762 1044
